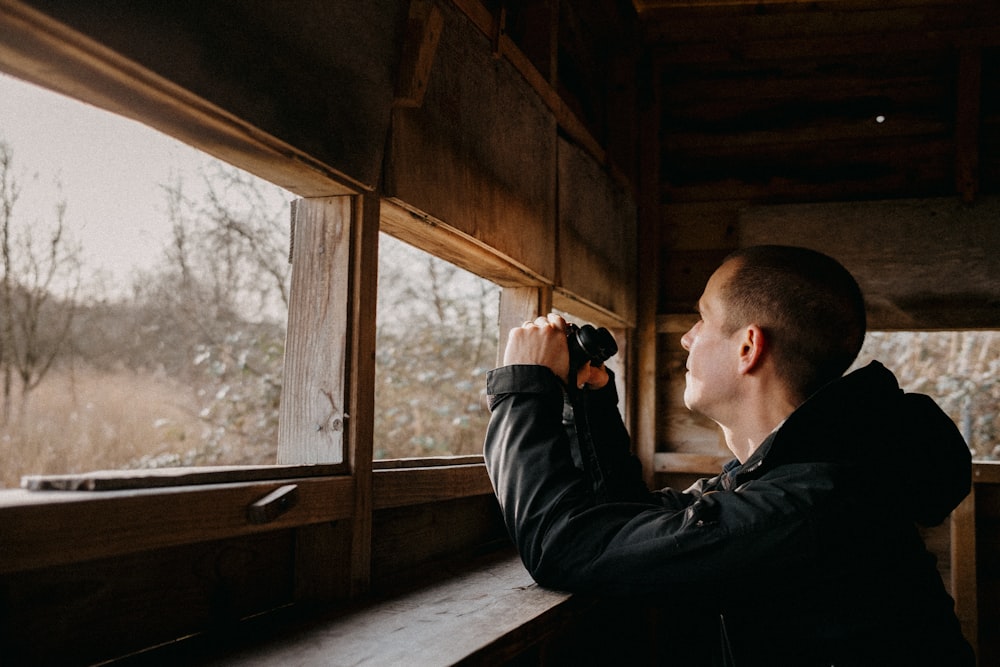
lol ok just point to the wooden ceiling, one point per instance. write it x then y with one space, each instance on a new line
829 100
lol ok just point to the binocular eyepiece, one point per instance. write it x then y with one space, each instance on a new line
588 343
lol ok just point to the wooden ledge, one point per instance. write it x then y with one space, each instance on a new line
487 613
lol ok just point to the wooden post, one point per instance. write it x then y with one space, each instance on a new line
964 574
312 413
649 284
327 402
361 427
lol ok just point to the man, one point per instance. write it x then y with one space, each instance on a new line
804 550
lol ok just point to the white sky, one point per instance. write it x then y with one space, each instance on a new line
110 168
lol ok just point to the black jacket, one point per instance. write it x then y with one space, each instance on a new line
808 552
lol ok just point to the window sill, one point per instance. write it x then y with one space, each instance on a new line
485 613
45 528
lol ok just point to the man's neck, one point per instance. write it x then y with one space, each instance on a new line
754 426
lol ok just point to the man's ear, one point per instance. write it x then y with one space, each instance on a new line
752 348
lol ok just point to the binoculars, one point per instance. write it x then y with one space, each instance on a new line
588 343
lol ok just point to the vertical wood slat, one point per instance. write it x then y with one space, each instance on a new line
361 428
650 215
964 572
312 412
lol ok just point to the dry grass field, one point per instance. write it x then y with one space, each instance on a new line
89 420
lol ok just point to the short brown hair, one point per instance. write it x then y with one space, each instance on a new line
809 306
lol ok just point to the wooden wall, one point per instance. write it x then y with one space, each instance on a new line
485 165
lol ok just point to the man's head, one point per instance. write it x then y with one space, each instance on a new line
809 307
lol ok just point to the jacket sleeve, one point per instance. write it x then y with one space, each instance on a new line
630 543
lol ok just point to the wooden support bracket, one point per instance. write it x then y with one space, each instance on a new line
423 32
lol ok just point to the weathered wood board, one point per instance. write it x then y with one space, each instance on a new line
922 263
480 153
597 234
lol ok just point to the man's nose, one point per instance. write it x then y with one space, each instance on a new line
686 340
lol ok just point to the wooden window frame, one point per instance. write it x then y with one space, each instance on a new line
51 528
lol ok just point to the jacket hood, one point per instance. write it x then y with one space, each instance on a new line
904 440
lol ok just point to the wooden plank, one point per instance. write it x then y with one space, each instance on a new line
685 24
44 529
986 472
544 87
363 271
651 230
322 556
413 486
479 121
96 611
313 405
964 570
700 227
408 541
832 130
457 619
117 480
596 253
431 462
446 242
885 244
36 48
423 31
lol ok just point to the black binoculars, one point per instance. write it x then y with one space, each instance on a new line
588 343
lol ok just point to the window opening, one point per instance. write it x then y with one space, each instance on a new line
437 336
144 296
958 369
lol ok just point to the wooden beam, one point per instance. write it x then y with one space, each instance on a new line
365 216
398 487
423 32
43 51
505 47
648 279
48 528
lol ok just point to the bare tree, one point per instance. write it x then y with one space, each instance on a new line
41 277
217 306
436 337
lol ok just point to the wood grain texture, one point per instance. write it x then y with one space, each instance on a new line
479 154
43 529
922 263
458 619
313 409
147 88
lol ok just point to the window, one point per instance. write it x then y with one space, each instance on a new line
436 339
959 369
144 296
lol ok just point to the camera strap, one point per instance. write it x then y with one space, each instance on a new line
578 399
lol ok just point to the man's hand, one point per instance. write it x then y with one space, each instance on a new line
542 342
